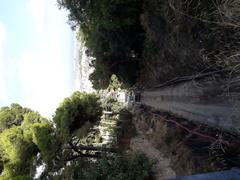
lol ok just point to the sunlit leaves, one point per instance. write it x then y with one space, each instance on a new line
27 139
114 83
16 151
11 116
75 112
24 134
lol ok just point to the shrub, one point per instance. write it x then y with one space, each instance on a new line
118 168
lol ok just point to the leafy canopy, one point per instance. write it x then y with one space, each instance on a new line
113 35
24 134
57 144
75 112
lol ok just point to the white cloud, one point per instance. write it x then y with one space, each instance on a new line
42 79
3 87
37 10
41 71
38 78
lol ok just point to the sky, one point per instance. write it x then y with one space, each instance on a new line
36 55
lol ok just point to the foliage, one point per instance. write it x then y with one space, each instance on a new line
73 120
16 152
42 137
12 116
16 115
130 167
19 148
125 121
31 139
32 117
112 34
100 76
23 135
114 83
76 111
60 146
189 37
111 104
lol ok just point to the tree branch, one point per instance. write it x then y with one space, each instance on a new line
84 156
92 148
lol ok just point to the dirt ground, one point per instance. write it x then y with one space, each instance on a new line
161 164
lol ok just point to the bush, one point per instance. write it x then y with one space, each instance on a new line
127 126
118 168
112 34
76 112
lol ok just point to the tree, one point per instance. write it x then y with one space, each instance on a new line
34 140
21 140
75 112
12 116
113 35
116 168
33 117
114 83
19 148
79 10
100 76
16 153
57 144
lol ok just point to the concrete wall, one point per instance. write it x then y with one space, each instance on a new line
214 104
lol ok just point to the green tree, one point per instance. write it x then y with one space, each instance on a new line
73 120
35 140
23 135
16 115
114 83
130 167
57 144
11 116
100 76
17 153
75 112
112 34
32 117
19 147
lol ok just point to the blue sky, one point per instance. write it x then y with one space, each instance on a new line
36 54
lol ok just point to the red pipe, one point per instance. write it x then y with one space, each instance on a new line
213 139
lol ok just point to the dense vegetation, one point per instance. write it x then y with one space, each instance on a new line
189 38
113 35
28 141
145 40
129 167
179 38
24 133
